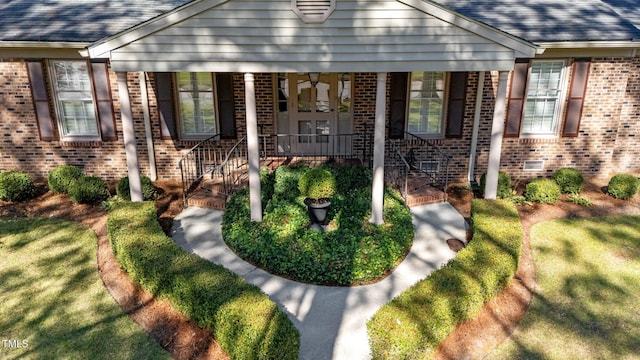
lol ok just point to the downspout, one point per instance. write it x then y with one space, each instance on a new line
142 78
476 126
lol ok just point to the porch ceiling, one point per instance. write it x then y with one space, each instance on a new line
267 36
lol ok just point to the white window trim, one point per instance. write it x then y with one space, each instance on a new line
56 103
178 111
560 105
443 112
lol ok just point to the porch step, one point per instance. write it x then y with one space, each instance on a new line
206 199
425 196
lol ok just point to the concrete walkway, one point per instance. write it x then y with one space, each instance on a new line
331 320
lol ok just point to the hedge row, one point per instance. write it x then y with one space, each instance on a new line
246 323
413 325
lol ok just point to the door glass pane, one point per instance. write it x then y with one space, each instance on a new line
344 92
304 127
322 94
283 92
322 128
304 93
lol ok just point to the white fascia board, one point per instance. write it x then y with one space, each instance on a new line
590 45
102 48
589 49
43 45
522 48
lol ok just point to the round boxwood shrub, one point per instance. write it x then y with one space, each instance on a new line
89 190
545 191
623 186
504 185
570 180
62 176
16 186
317 183
148 190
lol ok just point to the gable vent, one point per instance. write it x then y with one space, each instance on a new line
313 11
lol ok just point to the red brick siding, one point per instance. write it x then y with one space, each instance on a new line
607 141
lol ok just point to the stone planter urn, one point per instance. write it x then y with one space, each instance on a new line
317 185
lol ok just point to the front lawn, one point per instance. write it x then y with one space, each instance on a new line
53 303
586 304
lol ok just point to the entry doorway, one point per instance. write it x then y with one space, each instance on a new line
314 114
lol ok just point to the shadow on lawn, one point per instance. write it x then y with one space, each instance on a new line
585 303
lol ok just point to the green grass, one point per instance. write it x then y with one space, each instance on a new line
587 300
52 297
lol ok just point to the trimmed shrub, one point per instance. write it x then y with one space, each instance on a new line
62 176
208 294
317 183
545 191
504 185
570 180
89 190
412 325
623 186
16 186
148 190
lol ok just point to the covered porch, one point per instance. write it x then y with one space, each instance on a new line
309 56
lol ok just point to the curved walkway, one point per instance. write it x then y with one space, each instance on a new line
331 320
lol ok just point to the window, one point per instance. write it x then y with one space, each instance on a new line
196 104
426 103
543 100
74 102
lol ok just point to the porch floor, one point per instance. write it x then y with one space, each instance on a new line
210 193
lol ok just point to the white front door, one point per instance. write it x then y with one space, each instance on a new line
316 114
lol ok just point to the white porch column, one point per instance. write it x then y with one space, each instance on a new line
497 132
129 137
377 190
253 150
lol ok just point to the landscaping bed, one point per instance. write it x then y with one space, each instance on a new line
350 251
472 340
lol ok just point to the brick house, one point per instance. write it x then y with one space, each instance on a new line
121 88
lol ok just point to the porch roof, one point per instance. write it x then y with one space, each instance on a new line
267 36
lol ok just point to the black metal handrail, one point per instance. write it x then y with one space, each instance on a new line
235 167
202 159
419 155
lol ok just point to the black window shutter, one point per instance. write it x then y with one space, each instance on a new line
457 99
104 102
517 96
40 97
398 104
578 88
226 108
166 110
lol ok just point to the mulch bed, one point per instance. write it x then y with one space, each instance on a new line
184 340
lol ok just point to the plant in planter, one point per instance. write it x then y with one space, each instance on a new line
317 185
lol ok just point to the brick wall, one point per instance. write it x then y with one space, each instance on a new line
607 141
21 147
607 129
